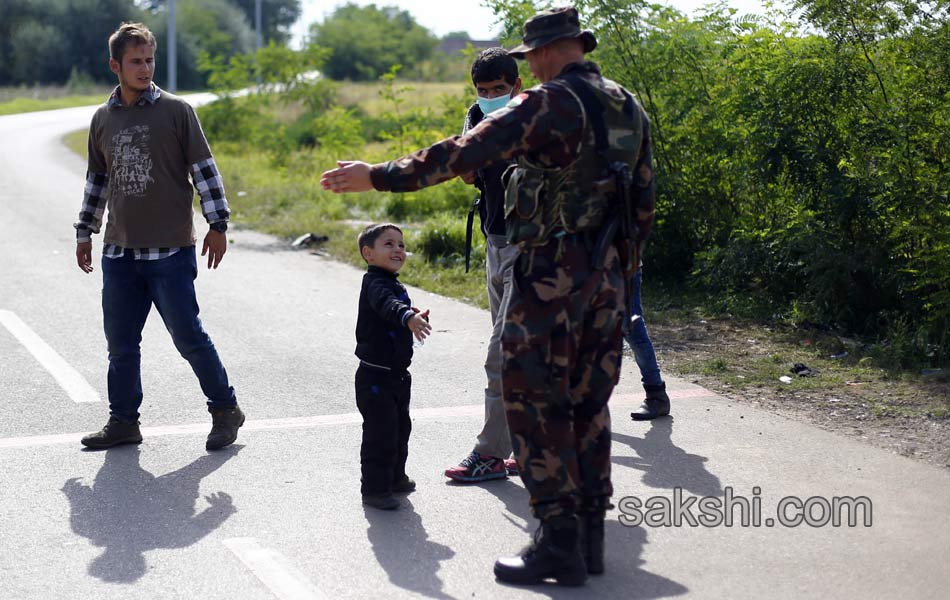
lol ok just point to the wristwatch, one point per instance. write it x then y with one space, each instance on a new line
219 226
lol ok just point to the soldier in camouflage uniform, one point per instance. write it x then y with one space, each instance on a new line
562 335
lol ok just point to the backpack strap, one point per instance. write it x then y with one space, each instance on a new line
593 108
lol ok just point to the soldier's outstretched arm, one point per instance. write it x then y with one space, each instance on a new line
540 119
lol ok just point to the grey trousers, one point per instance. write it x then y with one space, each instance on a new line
494 439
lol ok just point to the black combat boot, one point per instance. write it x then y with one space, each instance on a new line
656 404
592 541
114 433
225 423
554 554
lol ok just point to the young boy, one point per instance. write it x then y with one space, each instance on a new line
385 327
496 81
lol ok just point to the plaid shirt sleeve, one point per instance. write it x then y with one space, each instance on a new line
210 187
93 205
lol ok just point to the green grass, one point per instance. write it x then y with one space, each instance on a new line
418 95
77 141
24 105
15 100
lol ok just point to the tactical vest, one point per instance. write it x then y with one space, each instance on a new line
541 201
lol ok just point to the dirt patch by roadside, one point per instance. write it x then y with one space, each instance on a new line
908 414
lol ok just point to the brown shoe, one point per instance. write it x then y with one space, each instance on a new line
114 433
224 428
656 404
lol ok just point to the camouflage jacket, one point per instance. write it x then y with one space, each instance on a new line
541 124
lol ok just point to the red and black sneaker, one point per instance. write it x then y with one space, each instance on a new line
476 468
511 465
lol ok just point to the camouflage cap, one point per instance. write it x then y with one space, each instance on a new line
550 25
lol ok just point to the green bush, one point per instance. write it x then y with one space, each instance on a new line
442 241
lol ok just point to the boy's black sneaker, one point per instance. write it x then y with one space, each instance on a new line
477 468
114 433
404 486
381 501
224 428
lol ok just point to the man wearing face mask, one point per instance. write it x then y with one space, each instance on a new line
495 77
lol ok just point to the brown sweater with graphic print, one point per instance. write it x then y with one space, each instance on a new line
147 152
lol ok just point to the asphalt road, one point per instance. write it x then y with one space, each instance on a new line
278 515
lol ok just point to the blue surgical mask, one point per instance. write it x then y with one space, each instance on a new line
490 105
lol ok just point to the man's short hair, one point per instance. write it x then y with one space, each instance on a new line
368 237
492 64
129 34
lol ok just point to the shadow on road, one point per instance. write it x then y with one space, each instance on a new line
128 511
513 495
402 547
665 465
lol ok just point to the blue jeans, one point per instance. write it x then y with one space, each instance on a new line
129 288
638 338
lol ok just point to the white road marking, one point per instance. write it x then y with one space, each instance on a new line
259 425
421 414
273 570
68 378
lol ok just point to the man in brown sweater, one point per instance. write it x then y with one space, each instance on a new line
143 145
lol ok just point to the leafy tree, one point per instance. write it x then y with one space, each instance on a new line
365 41
801 163
457 35
277 17
213 26
43 41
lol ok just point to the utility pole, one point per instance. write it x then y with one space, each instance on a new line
259 35
258 26
172 50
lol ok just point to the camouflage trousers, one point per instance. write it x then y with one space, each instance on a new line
562 348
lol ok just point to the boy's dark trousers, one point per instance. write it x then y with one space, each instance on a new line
383 399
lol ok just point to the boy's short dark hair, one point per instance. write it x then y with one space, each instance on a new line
368 236
492 64
129 34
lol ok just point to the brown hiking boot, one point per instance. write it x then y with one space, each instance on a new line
224 428
656 404
114 433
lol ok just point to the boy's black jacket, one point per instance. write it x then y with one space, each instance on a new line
382 337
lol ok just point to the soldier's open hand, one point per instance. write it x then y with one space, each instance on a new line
349 176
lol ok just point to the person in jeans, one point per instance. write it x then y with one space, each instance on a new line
657 403
385 326
496 81
144 144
